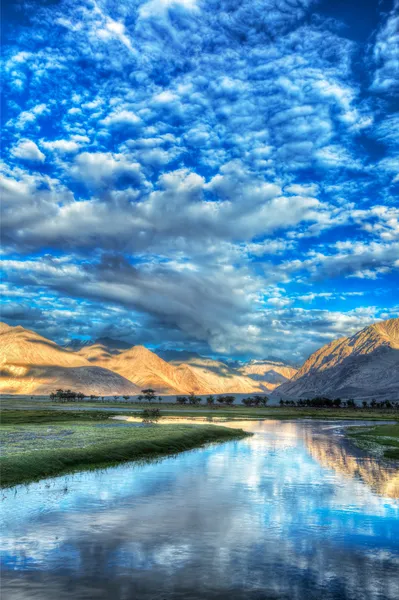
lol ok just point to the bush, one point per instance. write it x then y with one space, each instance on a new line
149 415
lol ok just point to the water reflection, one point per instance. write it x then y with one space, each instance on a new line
290 513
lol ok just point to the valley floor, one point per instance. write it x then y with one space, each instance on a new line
44 439
48 443
382 440
170 409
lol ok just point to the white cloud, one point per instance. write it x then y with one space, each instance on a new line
386 54
28 150
63 146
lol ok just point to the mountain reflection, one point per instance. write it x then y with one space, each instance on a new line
272 516
383 478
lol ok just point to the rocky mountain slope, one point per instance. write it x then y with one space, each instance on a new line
362 366
269 373
146 370
218 378
32 364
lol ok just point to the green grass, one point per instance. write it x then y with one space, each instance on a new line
36 451
172 410
382 440
19 416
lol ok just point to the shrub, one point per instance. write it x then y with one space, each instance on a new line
150 415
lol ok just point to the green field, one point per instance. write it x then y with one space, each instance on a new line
382 440
237 411
48 443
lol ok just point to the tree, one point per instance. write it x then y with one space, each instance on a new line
126 397
149 394
210 400
181 399
229 400
193 399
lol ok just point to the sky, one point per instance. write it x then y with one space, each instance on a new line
216 176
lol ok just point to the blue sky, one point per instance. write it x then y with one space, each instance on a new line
215 176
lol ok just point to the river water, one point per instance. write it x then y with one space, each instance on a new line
294 512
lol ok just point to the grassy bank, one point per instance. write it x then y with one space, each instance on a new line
239 412
382 440
35 451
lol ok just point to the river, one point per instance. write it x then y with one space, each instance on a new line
293 512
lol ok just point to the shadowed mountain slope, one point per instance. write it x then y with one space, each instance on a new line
362 366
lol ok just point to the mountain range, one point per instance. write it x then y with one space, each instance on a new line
364 365
32 364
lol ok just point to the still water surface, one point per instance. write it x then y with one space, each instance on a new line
295 512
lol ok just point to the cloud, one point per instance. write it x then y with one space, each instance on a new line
386 55
99 169
28 150
206 149
63 146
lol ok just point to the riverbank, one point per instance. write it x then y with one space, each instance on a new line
67 443
10 410
381 440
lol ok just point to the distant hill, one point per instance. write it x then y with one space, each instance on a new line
110 344
217 377
32 364
362 366
179 356
270 373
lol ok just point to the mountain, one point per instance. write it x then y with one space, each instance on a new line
217 377
189 373
179 356
147 370
32 364
269 373
112 346
362 366
76 344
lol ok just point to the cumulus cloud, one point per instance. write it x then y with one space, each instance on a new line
28 150
386 54
195 150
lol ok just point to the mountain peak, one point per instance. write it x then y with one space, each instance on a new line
364 365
